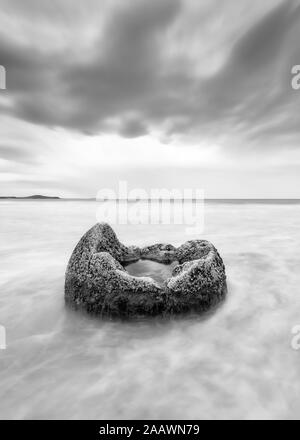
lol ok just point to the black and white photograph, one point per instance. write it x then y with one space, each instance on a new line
149 213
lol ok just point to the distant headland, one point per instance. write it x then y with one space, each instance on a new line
37 196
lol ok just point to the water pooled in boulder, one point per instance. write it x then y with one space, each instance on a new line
159 272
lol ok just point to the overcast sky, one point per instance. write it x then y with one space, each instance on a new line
161 93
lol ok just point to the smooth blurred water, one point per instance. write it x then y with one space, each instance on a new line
236 362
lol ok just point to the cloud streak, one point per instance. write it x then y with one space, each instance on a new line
128 82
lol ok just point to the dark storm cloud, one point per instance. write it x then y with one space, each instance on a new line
253 87
264 41
128 71
133 128
251 94
125 76
63 90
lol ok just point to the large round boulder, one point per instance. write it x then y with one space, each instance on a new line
97 280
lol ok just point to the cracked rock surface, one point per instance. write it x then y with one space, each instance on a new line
97 281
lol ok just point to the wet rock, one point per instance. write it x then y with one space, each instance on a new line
162 253
97 281
197 284
193 250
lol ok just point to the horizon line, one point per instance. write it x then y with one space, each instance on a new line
41 197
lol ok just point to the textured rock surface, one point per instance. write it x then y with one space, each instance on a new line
193 250
97 281
200 281
162 253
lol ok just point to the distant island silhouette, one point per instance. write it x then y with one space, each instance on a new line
37 196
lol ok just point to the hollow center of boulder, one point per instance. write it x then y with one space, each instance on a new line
159 272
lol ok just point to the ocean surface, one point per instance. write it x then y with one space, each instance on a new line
235 362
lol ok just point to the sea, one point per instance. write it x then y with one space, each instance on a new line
240 360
